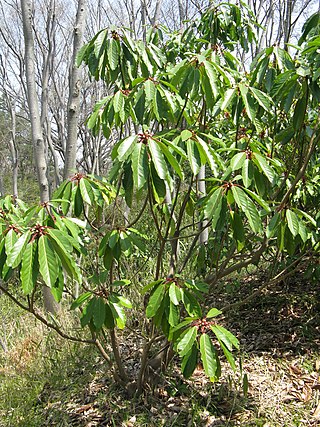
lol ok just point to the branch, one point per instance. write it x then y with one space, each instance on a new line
43 320
313 141
278 278
238 266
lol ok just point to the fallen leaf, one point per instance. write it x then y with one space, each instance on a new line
317 412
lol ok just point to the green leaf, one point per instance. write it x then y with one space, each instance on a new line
213 206
193 156
48 264
57 289
303 231
78 202
191 304
228 355
63 239
174 294
214 312
186 340
118 101
127 183
28 269
86 191
150 285
113 53
299 112
99 313
87 313
65 255
158 185
263 99
113 239
123 282
126 147
266 169
237 161
311 23
150 90
158 159
125 244
247 206
293 222
227 98
81 54
174 314
225 336
273 225
189 362
238 230
171 159
139 165
258 199
247 173
208 356
109 320
80 300
17 251
118 312
186 134
204 146
212 77
155 301
124 301
10 240
251 112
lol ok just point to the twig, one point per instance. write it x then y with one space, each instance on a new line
278 278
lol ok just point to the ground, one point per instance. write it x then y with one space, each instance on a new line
277 383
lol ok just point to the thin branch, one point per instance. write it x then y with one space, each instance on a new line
284 274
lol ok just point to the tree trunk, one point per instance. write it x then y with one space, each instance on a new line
36 131
1 186
201 193
13 146
143 8
74 92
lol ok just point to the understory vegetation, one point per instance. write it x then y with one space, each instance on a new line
183 287
66 384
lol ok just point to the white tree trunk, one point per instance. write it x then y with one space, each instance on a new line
36 130
201 193
74 92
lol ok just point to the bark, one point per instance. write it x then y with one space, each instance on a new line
74 92
1 186
36 130
143 8
203 238
157 11
13 148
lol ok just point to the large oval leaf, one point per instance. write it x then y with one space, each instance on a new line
186 341
15 255
208 356
48 264
155 301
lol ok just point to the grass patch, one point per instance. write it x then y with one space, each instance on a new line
46 381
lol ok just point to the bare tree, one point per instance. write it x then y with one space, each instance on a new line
36 130
74 92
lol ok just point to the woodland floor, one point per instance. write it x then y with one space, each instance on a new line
279 332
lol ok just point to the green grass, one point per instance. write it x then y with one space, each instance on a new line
46 381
